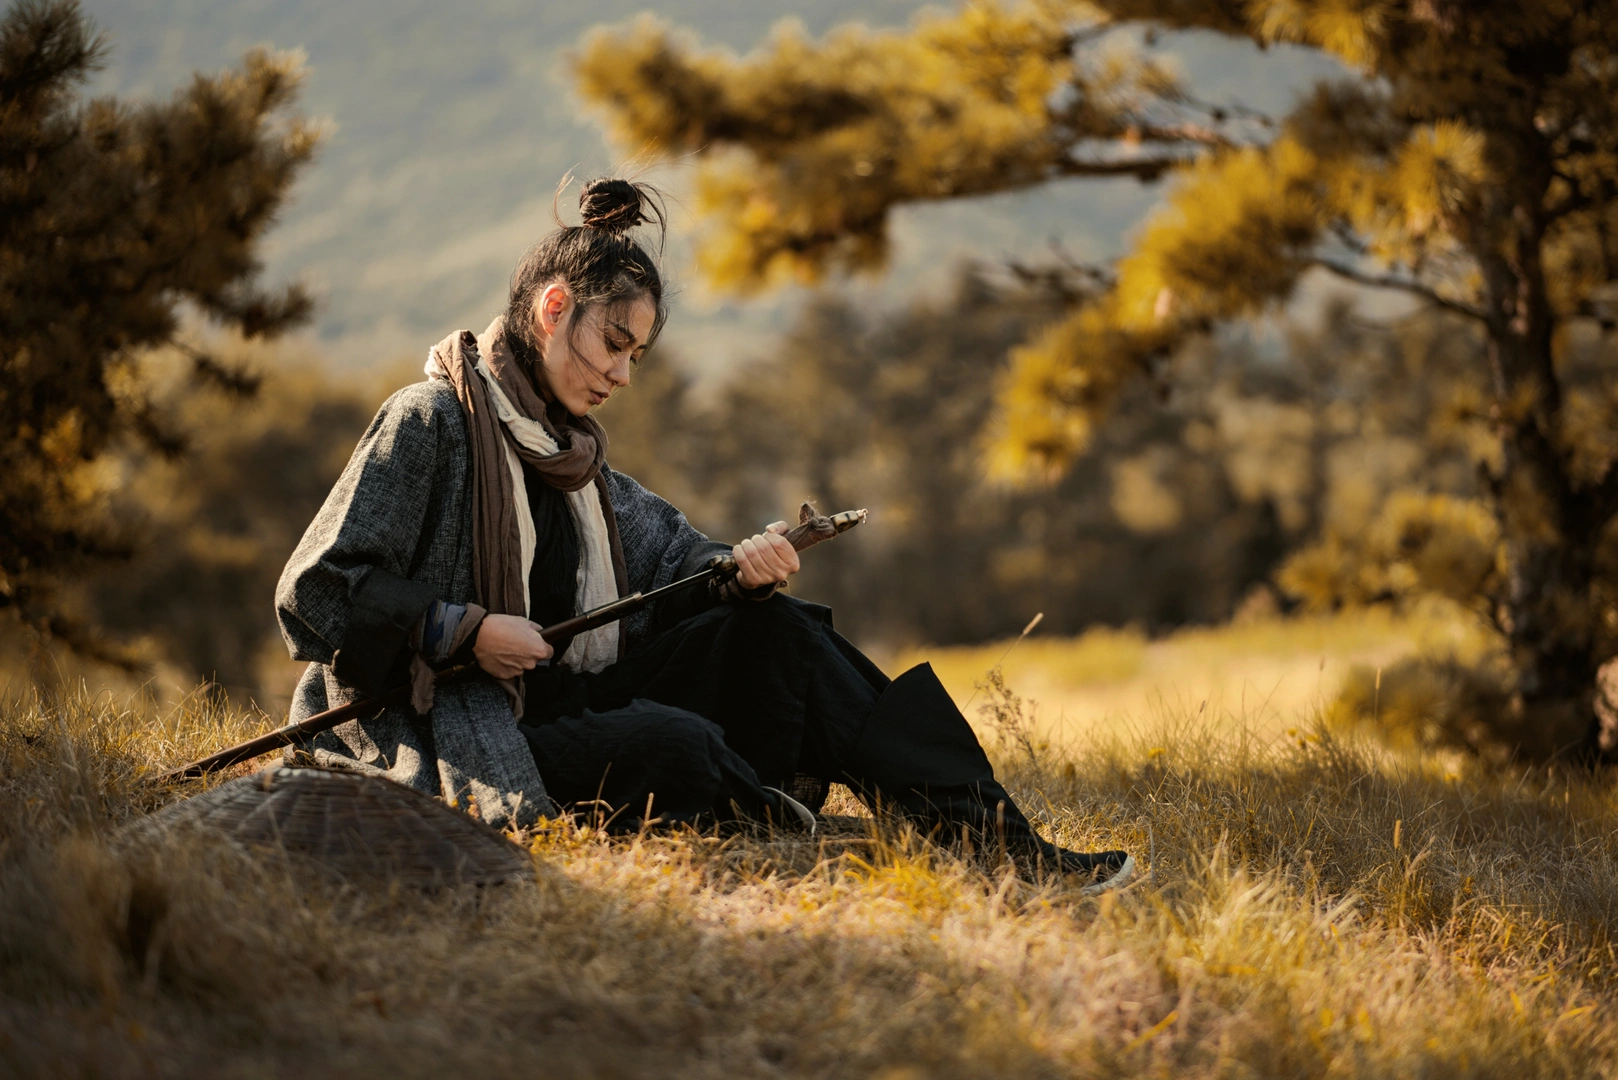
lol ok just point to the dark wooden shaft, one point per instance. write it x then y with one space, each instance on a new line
811 529
324 721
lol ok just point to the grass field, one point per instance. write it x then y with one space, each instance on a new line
1310 904
1265 676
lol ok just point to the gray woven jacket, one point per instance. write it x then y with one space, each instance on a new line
396 533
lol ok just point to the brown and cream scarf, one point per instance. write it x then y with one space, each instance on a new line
508 423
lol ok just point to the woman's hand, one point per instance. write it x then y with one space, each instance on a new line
508 645
766 558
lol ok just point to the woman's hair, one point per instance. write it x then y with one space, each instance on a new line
596 259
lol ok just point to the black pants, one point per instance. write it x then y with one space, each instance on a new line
703 717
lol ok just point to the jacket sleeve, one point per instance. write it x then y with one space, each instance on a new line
660 546
346 597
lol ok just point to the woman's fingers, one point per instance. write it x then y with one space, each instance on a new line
542 648
784 555
747 568
508 645
764 559
751 571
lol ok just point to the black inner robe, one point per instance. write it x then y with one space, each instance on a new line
552 584
714 707
693 716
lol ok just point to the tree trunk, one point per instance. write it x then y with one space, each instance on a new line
1547 620
1550 528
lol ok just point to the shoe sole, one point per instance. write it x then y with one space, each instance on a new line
1123 874
806 819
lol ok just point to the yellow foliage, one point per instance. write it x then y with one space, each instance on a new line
1349 29
1406 200
1228 241
1056 386
1323 575
1450 545
1435 702
1437 172
807 145
1418 543
63 441
1591 424
1140 498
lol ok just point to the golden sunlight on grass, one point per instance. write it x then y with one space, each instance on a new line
1308 906
1269 675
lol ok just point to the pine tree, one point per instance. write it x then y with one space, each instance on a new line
116 220
1468 158
217 523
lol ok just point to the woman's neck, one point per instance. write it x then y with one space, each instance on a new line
530 360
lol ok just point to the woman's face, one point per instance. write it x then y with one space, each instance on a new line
586 364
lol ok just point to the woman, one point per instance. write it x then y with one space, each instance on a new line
479 507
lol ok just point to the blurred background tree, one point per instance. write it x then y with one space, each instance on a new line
217 523
1463 160
1183 509
117 220
887 411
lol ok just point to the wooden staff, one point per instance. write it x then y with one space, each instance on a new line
811 529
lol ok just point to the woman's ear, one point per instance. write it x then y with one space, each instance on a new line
551 309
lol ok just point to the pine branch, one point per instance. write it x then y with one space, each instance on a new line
1087 35
1069 279
157 431
1185 131
1388 281
47 47
1220 114
1145 170
236 381
1348 237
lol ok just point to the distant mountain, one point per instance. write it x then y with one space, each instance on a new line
453 123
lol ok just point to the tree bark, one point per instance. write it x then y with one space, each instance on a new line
1550 528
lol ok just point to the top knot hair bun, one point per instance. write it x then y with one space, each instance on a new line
615 206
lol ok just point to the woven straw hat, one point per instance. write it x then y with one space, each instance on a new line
360 828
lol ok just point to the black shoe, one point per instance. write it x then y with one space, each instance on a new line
1105 870
792 812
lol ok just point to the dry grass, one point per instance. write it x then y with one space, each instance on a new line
1316 906
1264 675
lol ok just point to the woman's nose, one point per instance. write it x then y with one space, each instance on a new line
618 374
